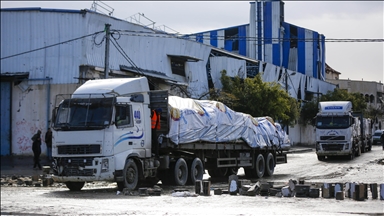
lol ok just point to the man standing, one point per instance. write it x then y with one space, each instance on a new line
48 141
36 148
382 139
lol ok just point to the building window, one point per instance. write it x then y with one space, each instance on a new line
178 66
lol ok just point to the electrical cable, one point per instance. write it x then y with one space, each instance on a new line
49 46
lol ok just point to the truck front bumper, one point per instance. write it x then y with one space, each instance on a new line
329 149
80 169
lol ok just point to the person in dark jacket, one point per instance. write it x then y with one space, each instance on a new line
36 148
48 141
382 140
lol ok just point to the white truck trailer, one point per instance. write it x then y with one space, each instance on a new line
102 132
340 132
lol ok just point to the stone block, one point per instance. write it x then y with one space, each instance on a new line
198 187
338 187
206 188
217 191
327 190
359 192
233 184
314 192
302 190
339 195
381 191
373 188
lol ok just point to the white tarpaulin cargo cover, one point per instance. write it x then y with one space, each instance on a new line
211 121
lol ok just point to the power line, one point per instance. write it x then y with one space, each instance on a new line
49 46
203 37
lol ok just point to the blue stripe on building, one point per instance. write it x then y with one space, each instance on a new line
315 54
268 23
228 45
242 40
301 50
213 35
322 56
199 37
286 44
259 35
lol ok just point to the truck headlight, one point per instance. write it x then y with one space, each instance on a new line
346 146
104 165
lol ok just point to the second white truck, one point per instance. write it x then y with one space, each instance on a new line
340 132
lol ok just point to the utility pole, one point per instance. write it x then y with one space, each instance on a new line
107 37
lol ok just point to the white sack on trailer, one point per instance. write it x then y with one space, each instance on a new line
211 121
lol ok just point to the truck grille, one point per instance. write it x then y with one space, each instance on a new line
332 147
79 149
77 172
72 166
332 137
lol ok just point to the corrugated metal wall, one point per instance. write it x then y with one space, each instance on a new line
30 30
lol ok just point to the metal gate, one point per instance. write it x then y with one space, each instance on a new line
5 110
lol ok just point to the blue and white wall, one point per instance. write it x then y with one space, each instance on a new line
269 39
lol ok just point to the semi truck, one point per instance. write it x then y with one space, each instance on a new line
340 131
103 132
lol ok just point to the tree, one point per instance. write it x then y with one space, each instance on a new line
310 109
257 98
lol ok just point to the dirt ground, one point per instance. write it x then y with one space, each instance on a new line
103 198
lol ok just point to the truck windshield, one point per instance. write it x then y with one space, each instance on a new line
332 122
84 114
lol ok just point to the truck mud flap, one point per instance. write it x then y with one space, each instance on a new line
280 159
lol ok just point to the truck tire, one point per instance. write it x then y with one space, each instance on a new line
260 166
131 175
196 171
352 155
358 152
320 158
218 172
180 172
269 165
259 169
232 171
74 186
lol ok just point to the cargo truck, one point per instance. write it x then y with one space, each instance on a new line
340 132
102 132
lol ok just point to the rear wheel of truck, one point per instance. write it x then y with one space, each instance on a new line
269 165
74 186
180 172
358 152
320 158
196 171
258 170
131 175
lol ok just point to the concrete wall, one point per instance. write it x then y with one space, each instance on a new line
32 111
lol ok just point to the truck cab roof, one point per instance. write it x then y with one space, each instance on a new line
112 87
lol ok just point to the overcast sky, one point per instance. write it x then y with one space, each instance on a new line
333 19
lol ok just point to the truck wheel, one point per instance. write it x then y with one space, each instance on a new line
320 158
232 171
260 166
180 172
352 155
358 152
269 165
131 175
258 170
218 172
196 171
74 186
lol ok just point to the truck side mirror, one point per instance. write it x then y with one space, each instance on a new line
53 118
352 121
